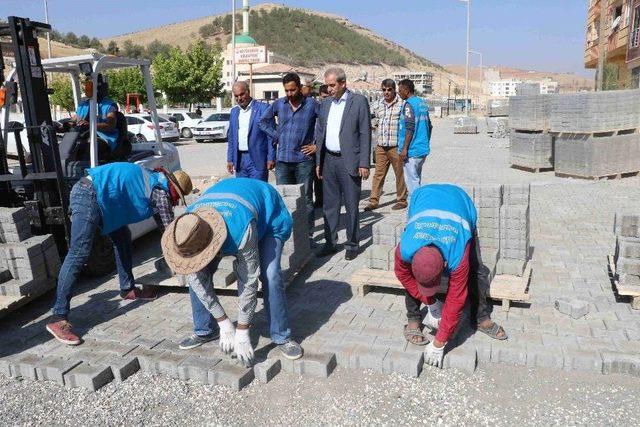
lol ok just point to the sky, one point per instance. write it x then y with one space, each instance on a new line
545 35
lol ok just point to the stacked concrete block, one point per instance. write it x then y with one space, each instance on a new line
28 265
590 156
592 112
296 252
494 124
488 198
386 235
498 108
514 230
531 113
464 125
531 150
627 251
532 146
526 89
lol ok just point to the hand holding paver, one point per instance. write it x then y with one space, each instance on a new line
243 348
227 335
433 355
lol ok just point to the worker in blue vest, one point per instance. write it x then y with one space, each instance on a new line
105 116
440 237
109 199
414 134
248 219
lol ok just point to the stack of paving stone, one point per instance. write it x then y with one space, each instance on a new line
296 251
531 143
514 230
627 252
528 89
465 125
498 108
497 127
28 264
597 133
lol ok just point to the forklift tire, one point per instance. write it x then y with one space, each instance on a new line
102 260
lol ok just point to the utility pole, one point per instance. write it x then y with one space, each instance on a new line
233 49
601 45
466 74
481 70
46 20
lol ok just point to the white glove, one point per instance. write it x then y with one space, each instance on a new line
433 355
227 335
431 321
243 348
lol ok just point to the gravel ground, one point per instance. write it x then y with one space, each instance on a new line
494 395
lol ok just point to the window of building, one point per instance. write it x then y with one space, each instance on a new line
634 40
635 78
270 95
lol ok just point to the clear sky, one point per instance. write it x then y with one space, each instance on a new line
545 35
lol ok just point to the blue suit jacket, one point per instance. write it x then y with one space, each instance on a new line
261 149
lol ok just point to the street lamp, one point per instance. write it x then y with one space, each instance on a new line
233 49
481 70
466 78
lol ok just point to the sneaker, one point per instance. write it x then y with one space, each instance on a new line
194 340
291 350
63 332
145 294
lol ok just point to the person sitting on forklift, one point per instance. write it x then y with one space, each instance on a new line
106 114
110 198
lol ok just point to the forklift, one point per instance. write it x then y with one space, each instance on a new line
46 168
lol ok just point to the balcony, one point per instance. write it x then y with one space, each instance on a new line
618 42
633 52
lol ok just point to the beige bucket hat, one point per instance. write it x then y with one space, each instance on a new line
193 239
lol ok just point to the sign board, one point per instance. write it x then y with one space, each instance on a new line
251 55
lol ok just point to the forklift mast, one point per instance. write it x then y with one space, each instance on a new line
48 205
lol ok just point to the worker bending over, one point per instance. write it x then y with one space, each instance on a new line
110 198
440 236
248 219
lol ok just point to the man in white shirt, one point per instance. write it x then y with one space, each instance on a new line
343 158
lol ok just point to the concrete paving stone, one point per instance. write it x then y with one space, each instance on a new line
53 368
397 343
25 366
146 342
628 266
371 358
403 363
231 374
620 363
462 357
573 307
513 267
582 360
122 367
266 370
314 364
196 368
628 247
544 356
146 359
483 350
90 377
502 352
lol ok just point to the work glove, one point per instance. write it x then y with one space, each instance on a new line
243 348
227 335
433 355
431 321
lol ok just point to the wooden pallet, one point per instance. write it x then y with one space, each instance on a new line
601 134
532 170
508 288
632 292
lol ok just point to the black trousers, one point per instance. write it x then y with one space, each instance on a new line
478 289
339 186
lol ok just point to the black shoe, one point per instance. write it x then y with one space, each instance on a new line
350 255
194 340
326 251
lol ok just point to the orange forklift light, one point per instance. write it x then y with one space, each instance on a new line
3 96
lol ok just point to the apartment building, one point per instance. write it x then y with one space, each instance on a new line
505 88
422 80
621 41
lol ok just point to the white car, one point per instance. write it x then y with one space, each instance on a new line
187 121
143 128
213 127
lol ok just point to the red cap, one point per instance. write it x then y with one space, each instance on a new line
427 266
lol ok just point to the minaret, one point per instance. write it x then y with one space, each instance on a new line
245 17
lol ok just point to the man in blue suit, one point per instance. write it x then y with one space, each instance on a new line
250 151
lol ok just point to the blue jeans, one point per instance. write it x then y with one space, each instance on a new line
275 298
288 173
413 173
248 169
86 218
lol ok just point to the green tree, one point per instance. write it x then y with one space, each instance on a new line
131 50
71 39
124 81
62 95
611 76
112 48
84 42
169 75
156 48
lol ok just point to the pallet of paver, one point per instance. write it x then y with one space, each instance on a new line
527 89
592 157
530 113
465 125
531 150
498 108
29 264
625 263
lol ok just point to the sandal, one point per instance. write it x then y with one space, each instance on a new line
410 334
493 331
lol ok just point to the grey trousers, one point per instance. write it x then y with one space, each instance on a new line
339 186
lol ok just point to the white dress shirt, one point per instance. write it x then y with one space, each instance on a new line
244 120
334 120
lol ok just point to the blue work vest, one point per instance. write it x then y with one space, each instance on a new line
419 146
240 200
123 191
442 215
103 109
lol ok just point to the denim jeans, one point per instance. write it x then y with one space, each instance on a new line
247 169
273 291
413 173
86 218
288 173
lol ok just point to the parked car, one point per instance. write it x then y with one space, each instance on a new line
143 128
186 121
214 127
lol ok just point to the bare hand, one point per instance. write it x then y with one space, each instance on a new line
318 173
82 123
271 165
404 156
308 150
230 167
364 173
